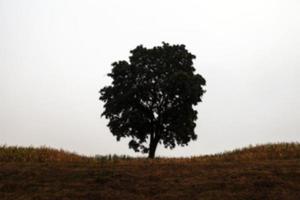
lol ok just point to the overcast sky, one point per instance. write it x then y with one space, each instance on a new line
55 54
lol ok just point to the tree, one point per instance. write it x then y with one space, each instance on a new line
151 98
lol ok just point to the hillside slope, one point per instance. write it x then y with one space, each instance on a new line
262 172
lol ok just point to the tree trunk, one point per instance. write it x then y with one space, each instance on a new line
152 149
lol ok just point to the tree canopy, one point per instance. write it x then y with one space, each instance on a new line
151 98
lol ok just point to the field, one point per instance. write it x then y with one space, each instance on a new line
269 171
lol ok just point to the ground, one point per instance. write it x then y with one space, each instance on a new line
262 172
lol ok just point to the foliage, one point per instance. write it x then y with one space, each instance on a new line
152 96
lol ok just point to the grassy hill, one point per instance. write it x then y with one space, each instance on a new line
262 172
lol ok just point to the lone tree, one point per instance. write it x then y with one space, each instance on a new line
151 98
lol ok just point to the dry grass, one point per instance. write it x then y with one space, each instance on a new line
42 154
263 172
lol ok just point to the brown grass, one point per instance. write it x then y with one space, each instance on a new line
262 172
42 154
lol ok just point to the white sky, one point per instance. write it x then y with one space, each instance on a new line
55 54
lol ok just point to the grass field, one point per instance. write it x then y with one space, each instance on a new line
269 171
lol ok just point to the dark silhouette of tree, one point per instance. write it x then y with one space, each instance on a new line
152 96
